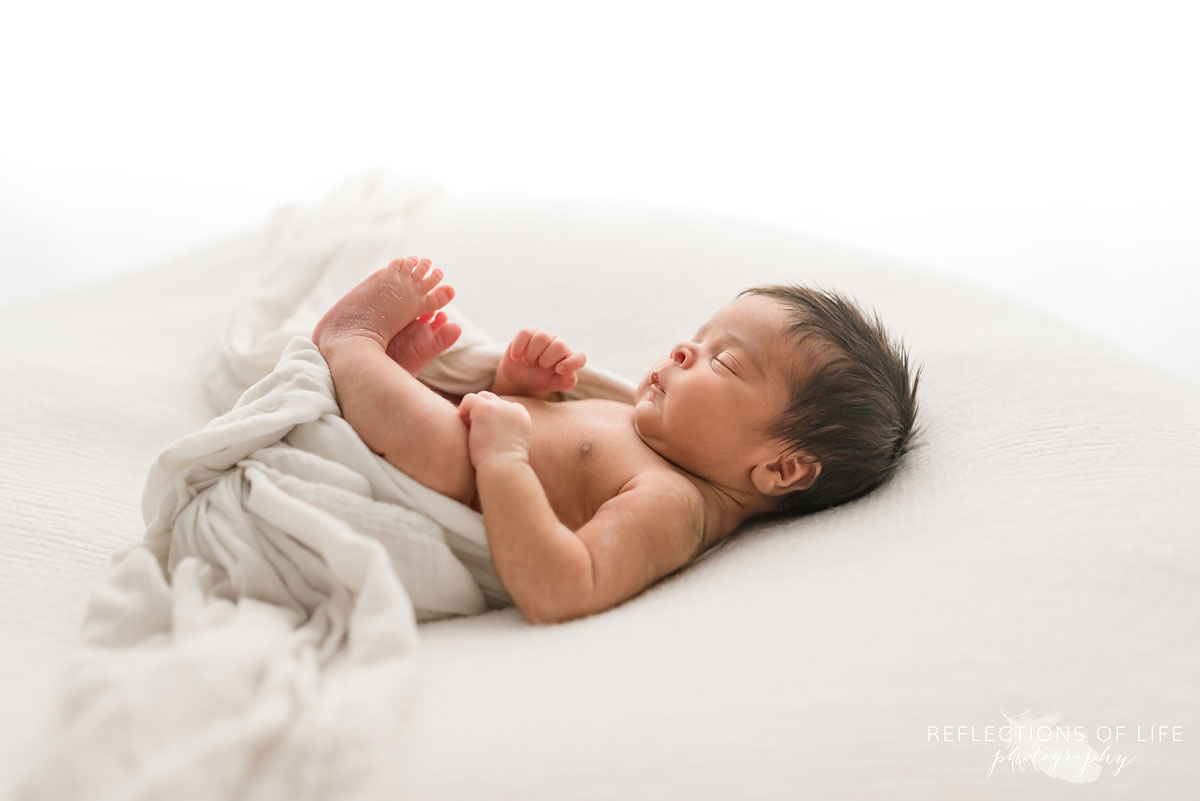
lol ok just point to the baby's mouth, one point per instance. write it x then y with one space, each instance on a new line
654 383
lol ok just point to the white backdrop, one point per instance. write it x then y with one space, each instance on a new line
1045 149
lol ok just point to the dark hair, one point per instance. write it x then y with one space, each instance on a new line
851 406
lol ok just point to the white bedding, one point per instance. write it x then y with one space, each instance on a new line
261 641
258 644
1039 551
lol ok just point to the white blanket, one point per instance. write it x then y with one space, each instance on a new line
262 641
258 643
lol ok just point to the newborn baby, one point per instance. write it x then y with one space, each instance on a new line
786 401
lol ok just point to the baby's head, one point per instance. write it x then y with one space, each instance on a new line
788 400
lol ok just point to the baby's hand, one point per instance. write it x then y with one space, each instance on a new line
537 364
497 429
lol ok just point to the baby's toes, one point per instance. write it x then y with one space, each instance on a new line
408 348
439 297
428 279
433 341
404 266
421 340
447 335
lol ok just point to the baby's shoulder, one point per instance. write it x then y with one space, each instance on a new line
668 484
674 506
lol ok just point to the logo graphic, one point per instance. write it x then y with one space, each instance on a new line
1040 743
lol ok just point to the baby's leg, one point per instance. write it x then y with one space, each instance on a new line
411 426
416 430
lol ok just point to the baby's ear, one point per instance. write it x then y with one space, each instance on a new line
787 473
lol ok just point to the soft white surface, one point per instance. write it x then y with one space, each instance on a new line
1039 550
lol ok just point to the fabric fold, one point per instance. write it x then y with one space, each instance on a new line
261 641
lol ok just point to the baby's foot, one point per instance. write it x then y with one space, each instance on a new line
421 340
383 304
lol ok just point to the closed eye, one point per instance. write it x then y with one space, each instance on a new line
723 364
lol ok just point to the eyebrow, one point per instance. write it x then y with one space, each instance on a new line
742 343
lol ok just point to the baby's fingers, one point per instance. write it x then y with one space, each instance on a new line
573 362
520 343
537 346
466 405
553 354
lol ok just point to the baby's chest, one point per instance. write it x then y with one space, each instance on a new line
582 459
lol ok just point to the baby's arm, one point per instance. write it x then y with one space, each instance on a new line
537 364
650 529
645 532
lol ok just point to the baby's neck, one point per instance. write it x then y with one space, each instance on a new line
726 508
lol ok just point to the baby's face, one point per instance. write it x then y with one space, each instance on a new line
703 407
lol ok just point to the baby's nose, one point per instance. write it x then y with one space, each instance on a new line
679 354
